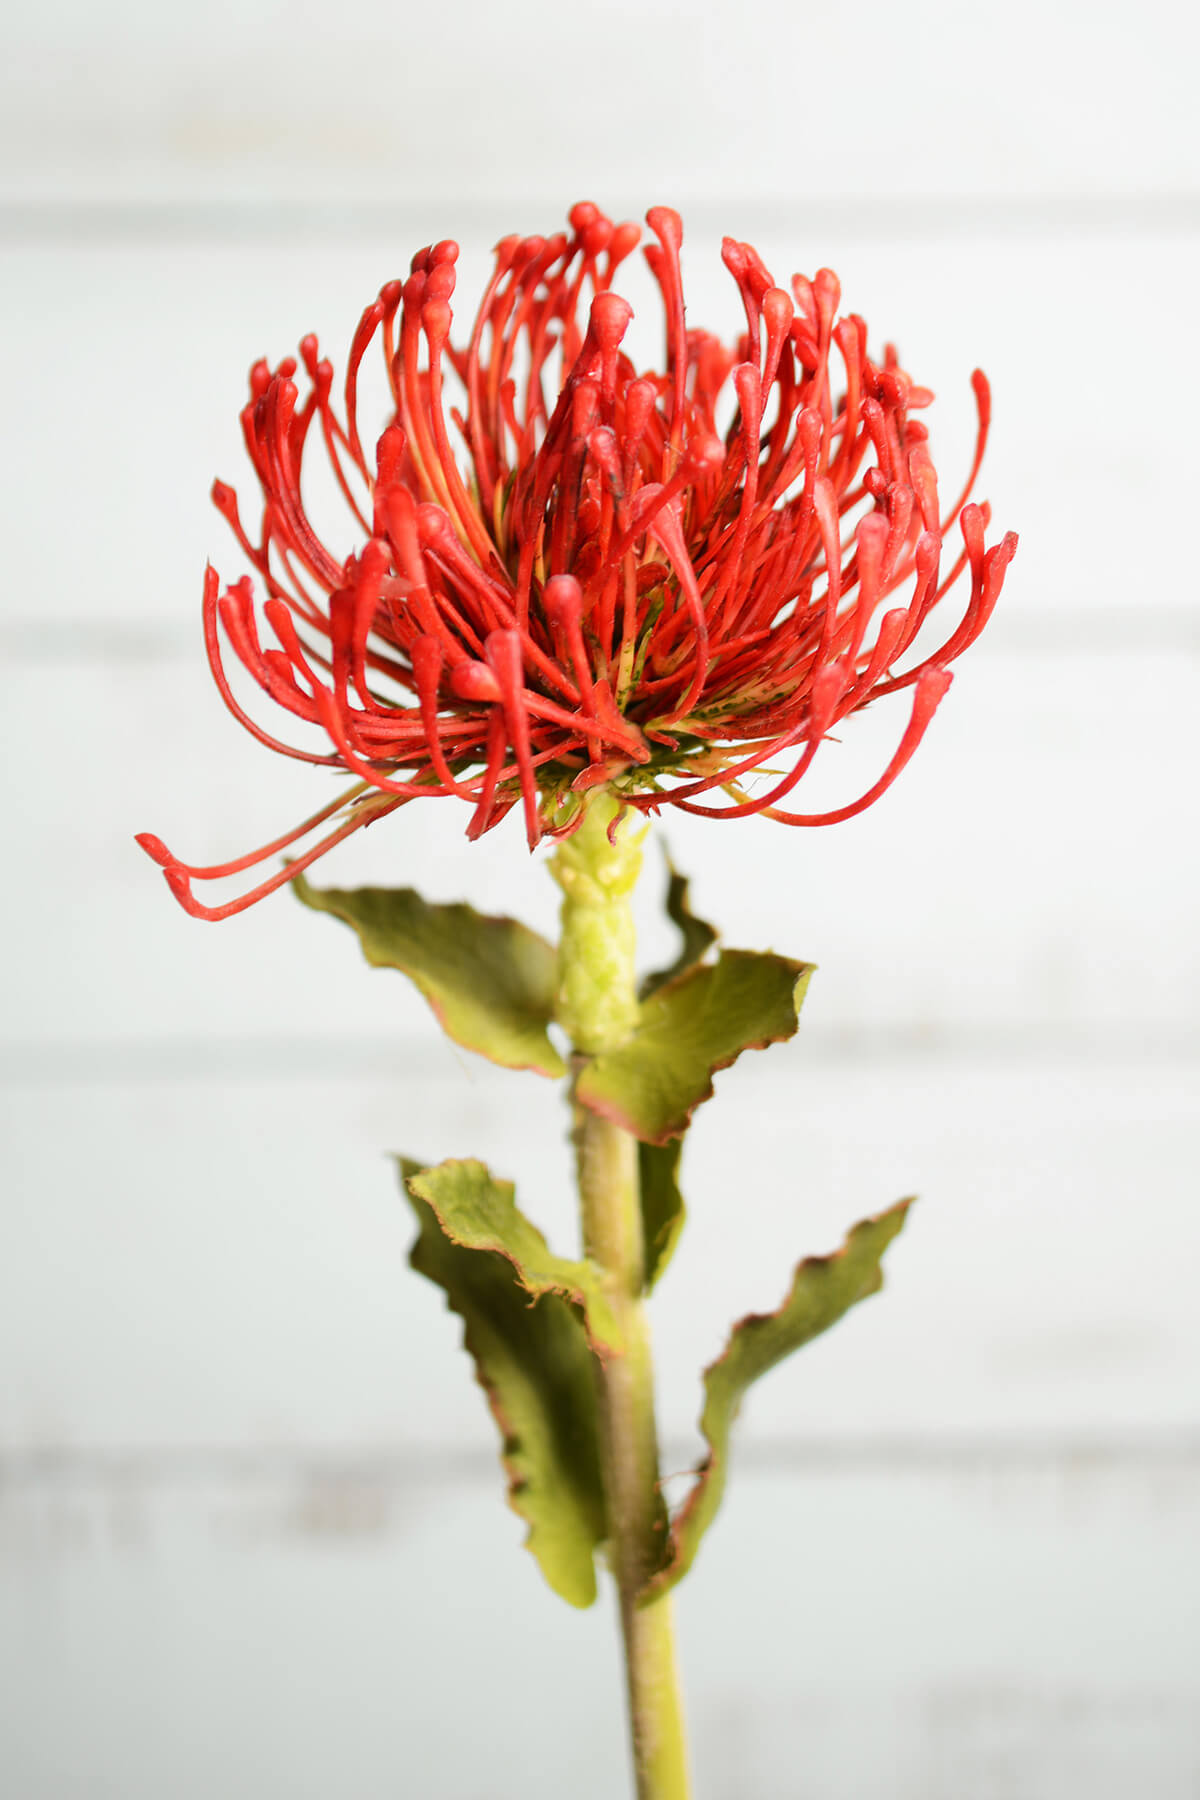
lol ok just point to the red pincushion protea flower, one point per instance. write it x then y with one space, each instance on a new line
613 592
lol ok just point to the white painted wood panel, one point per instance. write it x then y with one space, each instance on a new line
208 1261
279 101
251 1536
921 1634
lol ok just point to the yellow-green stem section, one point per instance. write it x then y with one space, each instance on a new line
597 1005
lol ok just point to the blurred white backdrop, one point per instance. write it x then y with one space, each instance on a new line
251 1533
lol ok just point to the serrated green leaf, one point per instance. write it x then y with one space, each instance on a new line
697 1024
663 1210
524 1328
697 934
489 980
823 1289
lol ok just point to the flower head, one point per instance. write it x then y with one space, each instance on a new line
575 577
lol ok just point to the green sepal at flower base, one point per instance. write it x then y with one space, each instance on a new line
823 1290
534 1324
489 980
694 1025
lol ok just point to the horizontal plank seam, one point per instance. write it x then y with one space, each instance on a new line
434 1465
72 219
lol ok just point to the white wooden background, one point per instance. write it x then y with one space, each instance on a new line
250 1534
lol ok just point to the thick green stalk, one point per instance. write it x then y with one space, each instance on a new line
597 1006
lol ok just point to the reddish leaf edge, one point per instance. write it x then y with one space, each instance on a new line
552 1068
614 1113
603 1345
679 1553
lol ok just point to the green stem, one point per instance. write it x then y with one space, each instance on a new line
597 1005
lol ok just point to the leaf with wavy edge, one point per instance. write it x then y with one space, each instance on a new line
697 934
527 1315
697 1024
663 1211
479 1212
823 1289
489 980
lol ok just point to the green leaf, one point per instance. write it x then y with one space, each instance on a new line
697 934
480 1213
823 1289
663 1210
489 980
687 1030
527 1316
